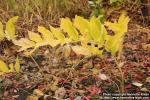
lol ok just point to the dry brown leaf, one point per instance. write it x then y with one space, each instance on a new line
146 47
144 89
102 76
53 86
67 51
60 93
148 79
32 98
38 92
95 71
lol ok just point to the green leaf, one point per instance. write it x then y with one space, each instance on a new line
67 26
10 28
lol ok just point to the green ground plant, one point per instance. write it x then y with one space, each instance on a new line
99 8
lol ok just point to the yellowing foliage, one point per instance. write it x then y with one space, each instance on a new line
11 68
10 29
113 43
91 31
1 32
35 40
68 27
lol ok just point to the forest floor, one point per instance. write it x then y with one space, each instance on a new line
49 75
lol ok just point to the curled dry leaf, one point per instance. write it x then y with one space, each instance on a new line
53 86
103 76
38 92
81 50
60 93
137 84
148 79
32 98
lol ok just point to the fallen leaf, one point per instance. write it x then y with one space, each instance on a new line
67 51
54 86
60 93
38 92
95 71
137 84
148 79
79 50
103 76
144 89
93 90
32 98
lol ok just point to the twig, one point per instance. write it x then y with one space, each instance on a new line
122 76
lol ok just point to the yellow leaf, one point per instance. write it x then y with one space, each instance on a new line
46 34
10 28
1 32
34 37
58 34
67 26
95 71
67 51
24 43
79 50
1 73
11 66
119 27
81 24
54 42
97 31
113 43
94 50
17 65
3 67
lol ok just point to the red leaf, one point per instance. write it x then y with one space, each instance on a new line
94 90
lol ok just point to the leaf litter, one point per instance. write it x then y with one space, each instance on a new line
66 75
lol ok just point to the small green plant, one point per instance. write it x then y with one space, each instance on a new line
91 34
9 32
99 8
11 68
